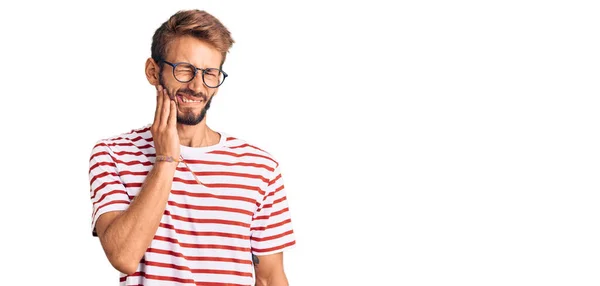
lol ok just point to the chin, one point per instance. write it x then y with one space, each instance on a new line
190 119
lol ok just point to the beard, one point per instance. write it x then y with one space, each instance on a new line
188 118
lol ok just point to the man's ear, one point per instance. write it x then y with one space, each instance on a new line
152 72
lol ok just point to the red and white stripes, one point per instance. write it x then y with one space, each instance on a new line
207 233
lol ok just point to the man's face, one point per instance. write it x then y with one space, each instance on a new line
193 98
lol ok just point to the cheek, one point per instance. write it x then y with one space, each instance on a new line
172 87
168 81
173 91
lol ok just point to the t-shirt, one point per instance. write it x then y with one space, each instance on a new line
208 232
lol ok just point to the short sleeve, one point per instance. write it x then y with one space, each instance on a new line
107 191
271 229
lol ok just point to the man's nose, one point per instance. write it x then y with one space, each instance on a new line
197 84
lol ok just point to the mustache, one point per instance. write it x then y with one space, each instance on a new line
189 92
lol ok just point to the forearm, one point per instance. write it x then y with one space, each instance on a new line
274 280
269 270
129 235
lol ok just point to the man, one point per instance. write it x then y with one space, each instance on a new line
177 202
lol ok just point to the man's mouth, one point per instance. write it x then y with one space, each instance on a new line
188 99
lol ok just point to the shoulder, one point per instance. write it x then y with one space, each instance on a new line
242 148
133 139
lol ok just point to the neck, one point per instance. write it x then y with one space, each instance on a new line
198 135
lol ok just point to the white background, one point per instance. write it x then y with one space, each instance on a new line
422 143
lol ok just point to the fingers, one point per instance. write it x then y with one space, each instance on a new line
159 101
172 114
165 109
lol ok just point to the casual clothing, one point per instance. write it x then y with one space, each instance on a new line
208 232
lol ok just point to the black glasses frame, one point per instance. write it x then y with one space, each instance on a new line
174 65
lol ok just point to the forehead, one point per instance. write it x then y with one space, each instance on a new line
194 51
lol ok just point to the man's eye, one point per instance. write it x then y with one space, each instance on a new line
184 69
212 72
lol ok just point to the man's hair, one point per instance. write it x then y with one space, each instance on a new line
196 23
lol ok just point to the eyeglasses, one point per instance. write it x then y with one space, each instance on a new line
186 72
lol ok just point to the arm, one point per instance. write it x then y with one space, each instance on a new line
125 235
269 270
272 233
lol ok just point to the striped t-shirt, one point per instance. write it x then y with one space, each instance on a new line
208 233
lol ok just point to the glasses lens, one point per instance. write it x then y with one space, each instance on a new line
184 72
213 77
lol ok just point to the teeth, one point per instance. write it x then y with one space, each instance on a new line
189 100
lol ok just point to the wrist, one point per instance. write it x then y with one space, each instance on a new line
167 158
166 162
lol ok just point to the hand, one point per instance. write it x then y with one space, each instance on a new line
164 128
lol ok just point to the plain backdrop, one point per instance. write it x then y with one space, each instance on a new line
421 142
